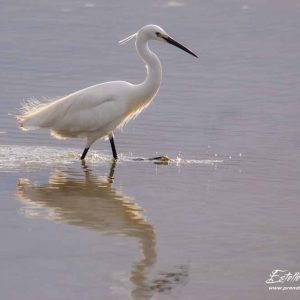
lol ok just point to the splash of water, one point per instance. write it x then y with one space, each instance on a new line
28 157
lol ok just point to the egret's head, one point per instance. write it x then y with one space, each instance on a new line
154 32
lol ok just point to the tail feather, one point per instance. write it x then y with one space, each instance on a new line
35 114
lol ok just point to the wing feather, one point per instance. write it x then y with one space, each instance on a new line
87 109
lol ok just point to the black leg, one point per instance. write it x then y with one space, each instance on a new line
110 176
85 151
113 147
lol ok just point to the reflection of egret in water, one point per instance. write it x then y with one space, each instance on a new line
92 202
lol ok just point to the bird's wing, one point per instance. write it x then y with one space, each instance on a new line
93 118
85 110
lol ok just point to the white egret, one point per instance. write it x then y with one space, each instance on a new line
95 112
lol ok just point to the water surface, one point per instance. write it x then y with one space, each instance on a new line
216 220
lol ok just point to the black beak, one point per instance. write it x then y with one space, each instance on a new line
173 42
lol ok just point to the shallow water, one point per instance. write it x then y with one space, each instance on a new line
211 223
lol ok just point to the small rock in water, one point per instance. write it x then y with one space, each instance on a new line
161 158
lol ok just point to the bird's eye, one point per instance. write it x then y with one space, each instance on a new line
157 34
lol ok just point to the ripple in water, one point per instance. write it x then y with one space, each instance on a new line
16 157
12 157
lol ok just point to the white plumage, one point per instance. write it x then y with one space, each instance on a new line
96 111
89 113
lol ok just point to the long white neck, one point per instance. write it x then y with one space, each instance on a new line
152 82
